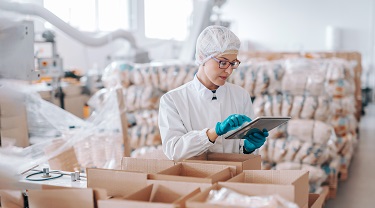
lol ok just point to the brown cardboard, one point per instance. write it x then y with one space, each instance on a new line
293 185
202 186
316 200
241 161
11 199
11 107
118 183
11 122
145 165
196 172
154 195
20 136
66 160
73 104
61 198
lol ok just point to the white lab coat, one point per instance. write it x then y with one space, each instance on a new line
187 112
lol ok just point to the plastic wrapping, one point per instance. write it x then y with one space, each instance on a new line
227 197
96 142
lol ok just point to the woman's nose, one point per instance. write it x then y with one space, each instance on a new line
229 70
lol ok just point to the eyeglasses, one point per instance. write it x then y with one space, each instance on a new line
225 64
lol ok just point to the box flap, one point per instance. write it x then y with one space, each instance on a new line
11 199
145 165
188 185
241 161
63 198
316 200
116 182
195 172
115 203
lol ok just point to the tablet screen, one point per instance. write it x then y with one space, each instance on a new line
263 122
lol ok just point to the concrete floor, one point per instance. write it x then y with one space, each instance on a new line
359 189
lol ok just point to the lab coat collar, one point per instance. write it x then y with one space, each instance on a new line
206 93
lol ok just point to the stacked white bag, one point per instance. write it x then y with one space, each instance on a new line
143 85
341 88
306 89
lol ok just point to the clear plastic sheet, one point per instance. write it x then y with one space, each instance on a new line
97 142
227 197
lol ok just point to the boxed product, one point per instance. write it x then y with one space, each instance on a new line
241 161
221 195
196 172
292 185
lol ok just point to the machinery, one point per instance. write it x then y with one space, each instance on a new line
17 38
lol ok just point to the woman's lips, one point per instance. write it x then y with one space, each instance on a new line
223 78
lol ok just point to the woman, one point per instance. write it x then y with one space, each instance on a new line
190 116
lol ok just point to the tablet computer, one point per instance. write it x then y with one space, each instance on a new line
262 122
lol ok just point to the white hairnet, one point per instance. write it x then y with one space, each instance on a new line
215 40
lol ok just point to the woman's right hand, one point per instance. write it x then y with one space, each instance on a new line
232 122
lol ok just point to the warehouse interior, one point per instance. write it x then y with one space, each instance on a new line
84 87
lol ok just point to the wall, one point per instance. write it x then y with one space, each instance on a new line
273 25
300 25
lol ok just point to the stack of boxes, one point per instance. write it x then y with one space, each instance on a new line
164 183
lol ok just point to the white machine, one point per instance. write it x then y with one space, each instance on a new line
17 50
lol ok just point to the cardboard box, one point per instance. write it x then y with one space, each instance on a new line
200 199
196 172
293 185
11 107
64 198
316 200
11 199
145 165
118 183
154 195
241 161
19 135
202 186
66 160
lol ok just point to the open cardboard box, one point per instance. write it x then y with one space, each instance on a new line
161 194
200 200
196 172
145 165
293 185
241 161
11 199
118 183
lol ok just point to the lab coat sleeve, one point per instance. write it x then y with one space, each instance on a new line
179 143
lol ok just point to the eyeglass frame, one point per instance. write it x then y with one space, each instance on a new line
230 63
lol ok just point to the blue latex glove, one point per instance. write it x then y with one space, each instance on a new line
254 139
232 122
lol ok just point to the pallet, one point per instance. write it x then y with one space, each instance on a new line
332 186
325 192
343 174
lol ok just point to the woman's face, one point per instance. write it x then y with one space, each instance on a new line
211 75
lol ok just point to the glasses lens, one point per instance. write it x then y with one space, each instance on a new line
223 64
235 64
